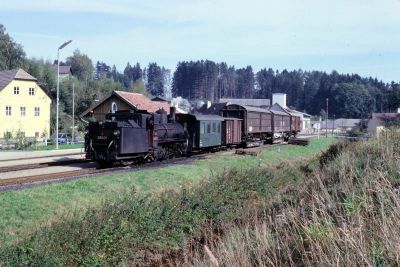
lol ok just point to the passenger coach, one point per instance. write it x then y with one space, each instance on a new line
204 130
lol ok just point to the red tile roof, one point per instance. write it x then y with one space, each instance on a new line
63 69
140 101
135 100
385 116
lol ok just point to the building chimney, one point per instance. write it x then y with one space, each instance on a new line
280 99
208 104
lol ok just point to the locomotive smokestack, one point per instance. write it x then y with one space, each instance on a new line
172 112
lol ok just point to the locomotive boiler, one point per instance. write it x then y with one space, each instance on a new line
135 135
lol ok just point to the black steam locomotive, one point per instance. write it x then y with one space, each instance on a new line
139 135
144 136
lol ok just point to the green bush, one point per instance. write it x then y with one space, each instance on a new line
124 229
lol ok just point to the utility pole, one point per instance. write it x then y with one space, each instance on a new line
58 88
319 126
73 113
327 116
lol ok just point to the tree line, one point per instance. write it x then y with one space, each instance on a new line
350 95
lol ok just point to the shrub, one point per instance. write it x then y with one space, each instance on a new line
344 214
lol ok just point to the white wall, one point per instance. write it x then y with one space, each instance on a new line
280 99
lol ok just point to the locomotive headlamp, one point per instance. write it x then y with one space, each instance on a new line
116 132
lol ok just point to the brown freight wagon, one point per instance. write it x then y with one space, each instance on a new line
256 124
280 122
231 132
295 123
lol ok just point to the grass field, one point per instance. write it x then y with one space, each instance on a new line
24 211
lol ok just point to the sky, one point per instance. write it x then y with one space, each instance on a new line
349 36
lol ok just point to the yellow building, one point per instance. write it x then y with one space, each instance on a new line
24 105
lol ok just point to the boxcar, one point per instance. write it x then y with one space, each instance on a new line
256 124
231 134
280 122
295 123
204 130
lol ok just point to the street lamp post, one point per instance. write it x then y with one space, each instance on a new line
58 85
73 113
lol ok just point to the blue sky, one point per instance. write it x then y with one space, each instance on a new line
357 36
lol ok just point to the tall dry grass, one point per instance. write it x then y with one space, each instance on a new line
346 213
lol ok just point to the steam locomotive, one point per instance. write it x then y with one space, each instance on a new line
143 136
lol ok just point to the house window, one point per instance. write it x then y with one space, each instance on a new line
16 90
23 111
31 91
8 111
37 111
113 107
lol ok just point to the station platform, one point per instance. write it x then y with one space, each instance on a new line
16 155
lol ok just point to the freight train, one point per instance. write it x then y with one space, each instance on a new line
143 136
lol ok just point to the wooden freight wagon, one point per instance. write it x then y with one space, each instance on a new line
280 122
295 123
256 124
231 133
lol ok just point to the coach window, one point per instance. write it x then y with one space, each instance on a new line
219 128
203 128
113 107
214 129
209 127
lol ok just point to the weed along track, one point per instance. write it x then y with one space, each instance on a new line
29 175
89 169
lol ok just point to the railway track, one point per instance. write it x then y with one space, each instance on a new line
17 183
27 181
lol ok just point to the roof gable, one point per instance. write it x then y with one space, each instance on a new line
215 108
255 102
6 76
142 102
63 69
277 107
159 98
135 100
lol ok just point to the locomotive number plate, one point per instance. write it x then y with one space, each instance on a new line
101 137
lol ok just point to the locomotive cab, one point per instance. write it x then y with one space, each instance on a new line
115 138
